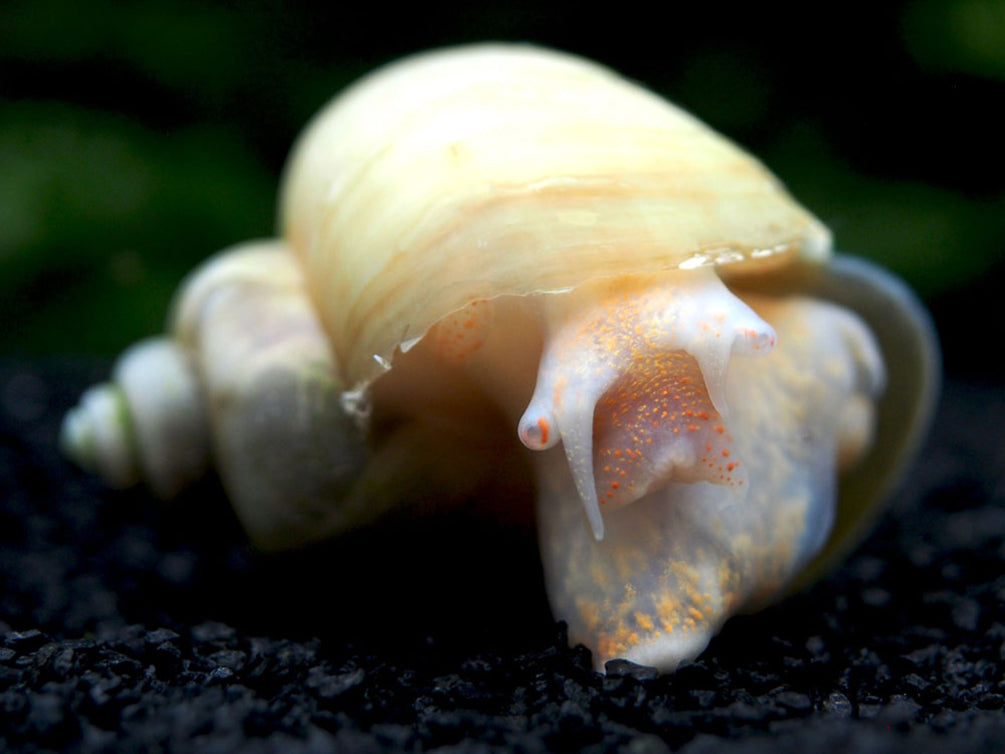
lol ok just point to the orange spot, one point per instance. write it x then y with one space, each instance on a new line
644 621
542 424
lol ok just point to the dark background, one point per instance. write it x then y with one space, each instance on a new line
136 139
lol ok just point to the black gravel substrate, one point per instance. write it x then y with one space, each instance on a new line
126 625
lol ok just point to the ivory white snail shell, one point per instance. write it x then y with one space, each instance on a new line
495 242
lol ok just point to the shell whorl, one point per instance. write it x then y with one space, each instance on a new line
509 170
147 424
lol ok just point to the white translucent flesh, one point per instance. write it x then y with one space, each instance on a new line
632 380
675 564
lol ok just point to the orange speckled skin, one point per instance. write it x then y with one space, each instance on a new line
716 507
663 397
632 378
673 565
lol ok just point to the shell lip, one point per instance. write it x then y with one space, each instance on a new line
784 263
907 338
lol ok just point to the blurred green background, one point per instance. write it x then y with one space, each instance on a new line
136 139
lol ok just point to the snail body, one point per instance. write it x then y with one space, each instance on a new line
501 260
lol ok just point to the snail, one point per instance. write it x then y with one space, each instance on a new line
499 260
